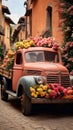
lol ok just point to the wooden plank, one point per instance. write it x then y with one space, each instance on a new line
50 101
5 73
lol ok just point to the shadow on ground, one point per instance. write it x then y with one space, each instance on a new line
54 110
45 109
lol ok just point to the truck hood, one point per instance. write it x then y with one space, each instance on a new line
52 67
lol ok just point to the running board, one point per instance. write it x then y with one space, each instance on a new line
11 93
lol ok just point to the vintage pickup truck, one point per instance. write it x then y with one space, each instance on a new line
35 65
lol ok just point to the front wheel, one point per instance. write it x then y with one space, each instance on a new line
4 95
25 104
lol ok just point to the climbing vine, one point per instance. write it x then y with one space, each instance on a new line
66 23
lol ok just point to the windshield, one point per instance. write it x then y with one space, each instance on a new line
41 56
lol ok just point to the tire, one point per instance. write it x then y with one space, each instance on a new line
25 104
4 95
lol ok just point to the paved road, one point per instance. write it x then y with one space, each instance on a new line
42 118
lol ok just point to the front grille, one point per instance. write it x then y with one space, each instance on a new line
52 78
59 78
65 81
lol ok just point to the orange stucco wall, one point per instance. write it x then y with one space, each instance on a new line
39 18
0 11
7 35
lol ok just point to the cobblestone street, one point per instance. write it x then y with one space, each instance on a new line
11 118
46 118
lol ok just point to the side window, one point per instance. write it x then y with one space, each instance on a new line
19 59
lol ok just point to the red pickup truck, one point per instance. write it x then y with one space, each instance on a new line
35 65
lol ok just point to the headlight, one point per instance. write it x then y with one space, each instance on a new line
40 80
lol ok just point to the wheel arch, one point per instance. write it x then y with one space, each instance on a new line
4 81
4 95
24 84
20 89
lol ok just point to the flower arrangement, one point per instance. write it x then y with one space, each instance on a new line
51 91
30 42
39 42
8 61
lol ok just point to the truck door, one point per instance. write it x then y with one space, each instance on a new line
17 70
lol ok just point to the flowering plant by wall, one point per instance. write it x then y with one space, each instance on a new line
66 24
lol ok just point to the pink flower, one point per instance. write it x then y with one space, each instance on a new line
71 73
70 59
71 12
70 8
62 4
55 46
62 21
65 91
61 10
66 55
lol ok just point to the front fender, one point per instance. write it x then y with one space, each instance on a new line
26 82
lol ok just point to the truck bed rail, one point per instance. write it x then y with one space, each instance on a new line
5 73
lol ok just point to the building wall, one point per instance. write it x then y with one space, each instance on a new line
21 35
2 24
0 11
4 39
0 17
39 17
7 35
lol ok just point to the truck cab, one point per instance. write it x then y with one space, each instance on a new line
40 61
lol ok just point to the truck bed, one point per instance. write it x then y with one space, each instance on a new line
6 73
